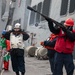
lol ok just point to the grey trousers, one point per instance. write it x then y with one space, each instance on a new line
2 52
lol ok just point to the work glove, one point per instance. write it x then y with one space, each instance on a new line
42 43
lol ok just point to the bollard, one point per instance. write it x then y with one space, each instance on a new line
31 50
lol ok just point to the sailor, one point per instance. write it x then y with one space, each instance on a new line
17 38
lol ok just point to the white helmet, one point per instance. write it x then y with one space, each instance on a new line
17 25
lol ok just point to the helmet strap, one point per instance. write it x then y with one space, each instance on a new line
70 28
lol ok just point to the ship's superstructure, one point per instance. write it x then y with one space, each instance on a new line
13 11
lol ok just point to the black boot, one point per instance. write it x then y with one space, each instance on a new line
22 73
17 73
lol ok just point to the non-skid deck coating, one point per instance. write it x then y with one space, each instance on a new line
34 67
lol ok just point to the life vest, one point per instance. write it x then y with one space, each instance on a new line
62 45
51 38
16 41
8 45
